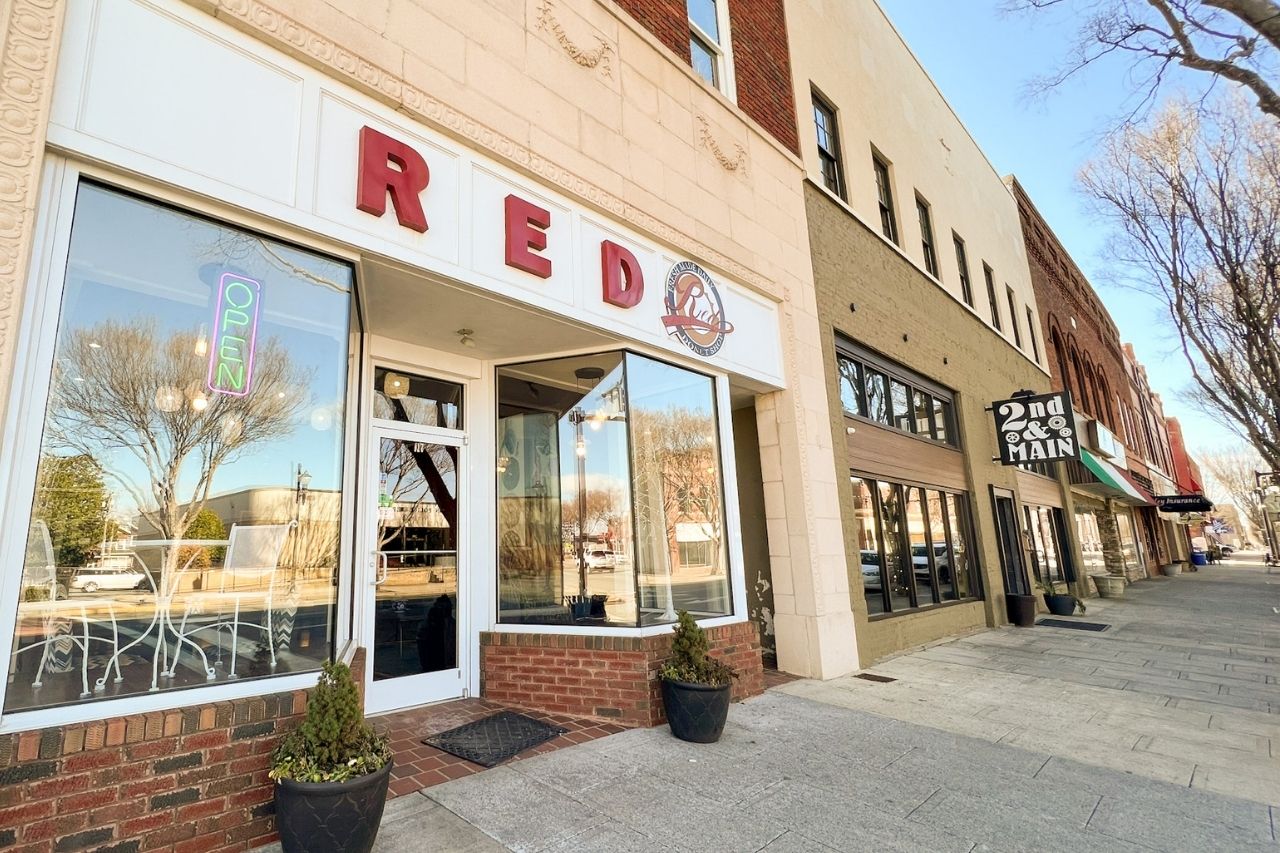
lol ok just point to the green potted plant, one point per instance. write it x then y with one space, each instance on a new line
331 772
1059 604
695 686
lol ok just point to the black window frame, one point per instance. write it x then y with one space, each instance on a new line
1013 316
990 275
964 509
962 264
830 163
884 198
868 365
1031 331
924 213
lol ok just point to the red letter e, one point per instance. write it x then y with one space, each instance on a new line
526 234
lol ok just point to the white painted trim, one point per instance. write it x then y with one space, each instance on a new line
165 700
723 50
433 686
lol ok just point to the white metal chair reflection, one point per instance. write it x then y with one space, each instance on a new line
44 597
252 558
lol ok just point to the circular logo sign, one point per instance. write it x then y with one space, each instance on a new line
695 311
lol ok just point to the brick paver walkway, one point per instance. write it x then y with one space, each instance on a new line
420 766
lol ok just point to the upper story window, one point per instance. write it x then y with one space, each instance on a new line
992 302
1013 316
926 237
962 264
878 390
884 196
709 42
1031 332
824 124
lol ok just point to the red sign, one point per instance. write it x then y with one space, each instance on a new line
694 308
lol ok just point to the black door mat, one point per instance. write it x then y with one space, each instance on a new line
1067 623
495 738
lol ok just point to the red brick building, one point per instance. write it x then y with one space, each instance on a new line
1125 444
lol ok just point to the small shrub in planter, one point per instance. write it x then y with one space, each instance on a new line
695 686
1060 604
331 772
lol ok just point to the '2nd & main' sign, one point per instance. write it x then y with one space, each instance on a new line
1040 428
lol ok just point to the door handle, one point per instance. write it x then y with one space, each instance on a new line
380 572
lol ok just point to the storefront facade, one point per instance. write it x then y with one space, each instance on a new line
927 316
304 362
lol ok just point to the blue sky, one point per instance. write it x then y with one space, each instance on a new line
983 59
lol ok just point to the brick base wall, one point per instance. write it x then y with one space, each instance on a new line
603 676
189 780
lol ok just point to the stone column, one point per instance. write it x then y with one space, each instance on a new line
29 33
813 619
1110 534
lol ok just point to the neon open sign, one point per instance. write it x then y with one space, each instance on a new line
235 332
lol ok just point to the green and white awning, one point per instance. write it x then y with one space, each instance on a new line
1113 479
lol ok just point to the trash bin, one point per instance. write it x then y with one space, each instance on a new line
1199 559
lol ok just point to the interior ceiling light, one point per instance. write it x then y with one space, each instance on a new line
394 385
464 338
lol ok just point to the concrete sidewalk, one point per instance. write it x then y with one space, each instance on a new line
1182 687
1033 739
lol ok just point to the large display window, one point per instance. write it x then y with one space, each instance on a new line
610 495
184 526
913 546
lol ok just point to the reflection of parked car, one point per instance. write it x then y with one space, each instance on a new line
920 560
871 570
600 560
119 571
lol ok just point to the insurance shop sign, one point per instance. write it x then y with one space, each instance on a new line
1036 428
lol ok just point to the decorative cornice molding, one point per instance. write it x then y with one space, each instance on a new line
736 164
275 28
597 58
29 41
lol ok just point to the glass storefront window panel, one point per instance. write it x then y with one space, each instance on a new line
565 530
1049 544
940 543
404 397
923 405
415 606
677 491
1128 542
1032 543
877 388
850 383
942 421
918 541
1090 540
897 571
191 462
958 523
866 532
900 397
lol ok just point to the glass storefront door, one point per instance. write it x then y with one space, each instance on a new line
413 615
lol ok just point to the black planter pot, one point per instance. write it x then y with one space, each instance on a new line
696 712
1060 605
1022 610
331 817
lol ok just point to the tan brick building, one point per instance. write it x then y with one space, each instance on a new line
927 317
